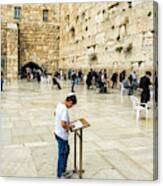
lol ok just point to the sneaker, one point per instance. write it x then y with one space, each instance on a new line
62 177
68 174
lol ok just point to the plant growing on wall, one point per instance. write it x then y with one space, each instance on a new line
149 14
77 18
119 49
83 15
93 57
129 48
113 6
113 27
67 19
72 30
118 38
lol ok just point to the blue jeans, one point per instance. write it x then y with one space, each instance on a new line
2 84
78 81
73 85
63 152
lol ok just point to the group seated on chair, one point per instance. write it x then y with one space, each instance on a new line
128 86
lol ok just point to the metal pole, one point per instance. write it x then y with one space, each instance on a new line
81 154
75 154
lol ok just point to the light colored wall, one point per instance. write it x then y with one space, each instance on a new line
39 41
50 44
132 25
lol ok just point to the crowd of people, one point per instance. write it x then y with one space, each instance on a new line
100 80
32 74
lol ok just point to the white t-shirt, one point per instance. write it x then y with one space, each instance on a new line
61 115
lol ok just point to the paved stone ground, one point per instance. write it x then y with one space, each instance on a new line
115 146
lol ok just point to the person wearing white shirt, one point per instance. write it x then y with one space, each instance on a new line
62 127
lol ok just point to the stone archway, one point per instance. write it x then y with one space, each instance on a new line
30 65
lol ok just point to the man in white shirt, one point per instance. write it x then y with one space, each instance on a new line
62 127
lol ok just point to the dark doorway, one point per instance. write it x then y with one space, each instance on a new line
33 66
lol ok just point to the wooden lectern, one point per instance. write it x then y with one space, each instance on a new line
79 124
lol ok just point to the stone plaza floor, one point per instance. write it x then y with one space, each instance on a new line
115 146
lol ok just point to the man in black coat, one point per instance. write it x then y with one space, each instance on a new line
73 77
145 86
114 79
89 79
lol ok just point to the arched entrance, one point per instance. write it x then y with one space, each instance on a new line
33 67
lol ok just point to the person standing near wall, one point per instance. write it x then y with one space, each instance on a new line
144 85
2 80
89 79
69 74
56 80
114 79
73 77
62 127
79 78
122 76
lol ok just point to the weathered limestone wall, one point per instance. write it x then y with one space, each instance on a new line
3 39
39 44
12 51
3 36
112 35
107 35
38 40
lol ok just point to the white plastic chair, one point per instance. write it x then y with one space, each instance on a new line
123 90
138 107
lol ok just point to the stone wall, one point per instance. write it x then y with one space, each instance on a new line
12 51
3 36
112 35
3 39
38 40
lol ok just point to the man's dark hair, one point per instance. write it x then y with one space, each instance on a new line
72 98
148 73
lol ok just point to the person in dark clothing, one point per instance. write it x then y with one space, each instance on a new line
73 77
103 83
80 76
89 80
69 74
114 79
144 85
105 74
2 80
56 80
122 76
97 79
38 75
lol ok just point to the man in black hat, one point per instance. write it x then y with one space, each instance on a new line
145 86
